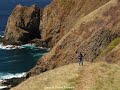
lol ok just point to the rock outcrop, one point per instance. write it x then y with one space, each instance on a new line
23 25
90 33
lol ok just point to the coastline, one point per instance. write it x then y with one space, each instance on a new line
7 84
9 81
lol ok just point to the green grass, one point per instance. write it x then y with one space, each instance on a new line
110 47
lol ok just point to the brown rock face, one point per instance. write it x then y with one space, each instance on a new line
23 24
61 15
89 34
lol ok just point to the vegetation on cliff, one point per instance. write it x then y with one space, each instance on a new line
90 33
110 47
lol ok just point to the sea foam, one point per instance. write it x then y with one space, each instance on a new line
10 75
9 47
3 87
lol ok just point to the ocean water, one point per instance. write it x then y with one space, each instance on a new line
15 61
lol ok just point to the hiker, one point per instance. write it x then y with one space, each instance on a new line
80 57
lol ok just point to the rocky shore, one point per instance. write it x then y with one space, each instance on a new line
9 83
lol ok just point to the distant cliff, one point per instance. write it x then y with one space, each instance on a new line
23 25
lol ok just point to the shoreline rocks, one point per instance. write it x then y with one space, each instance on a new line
11 82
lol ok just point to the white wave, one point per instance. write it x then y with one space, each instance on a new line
2 87
1 36
41 47
31 46
9 47
44 48
9 75
4 76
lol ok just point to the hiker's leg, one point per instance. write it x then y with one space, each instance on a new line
82 62
79 63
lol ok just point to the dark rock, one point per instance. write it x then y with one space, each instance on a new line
12 82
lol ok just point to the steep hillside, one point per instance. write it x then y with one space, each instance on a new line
96 76
62 15
89 35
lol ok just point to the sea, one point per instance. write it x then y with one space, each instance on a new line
16 61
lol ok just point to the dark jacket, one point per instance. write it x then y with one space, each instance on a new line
80 57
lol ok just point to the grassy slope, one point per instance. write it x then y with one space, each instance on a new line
110 47
95 76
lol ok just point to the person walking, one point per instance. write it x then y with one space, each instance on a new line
80 57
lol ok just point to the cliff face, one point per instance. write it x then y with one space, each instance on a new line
23 24
61 15
51 23
90 34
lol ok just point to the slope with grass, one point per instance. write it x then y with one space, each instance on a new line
61 15
91 76
90 34
113 56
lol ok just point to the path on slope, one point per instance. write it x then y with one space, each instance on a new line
75 77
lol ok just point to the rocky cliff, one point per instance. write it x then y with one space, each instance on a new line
88 27
68 27
23 25
61 16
